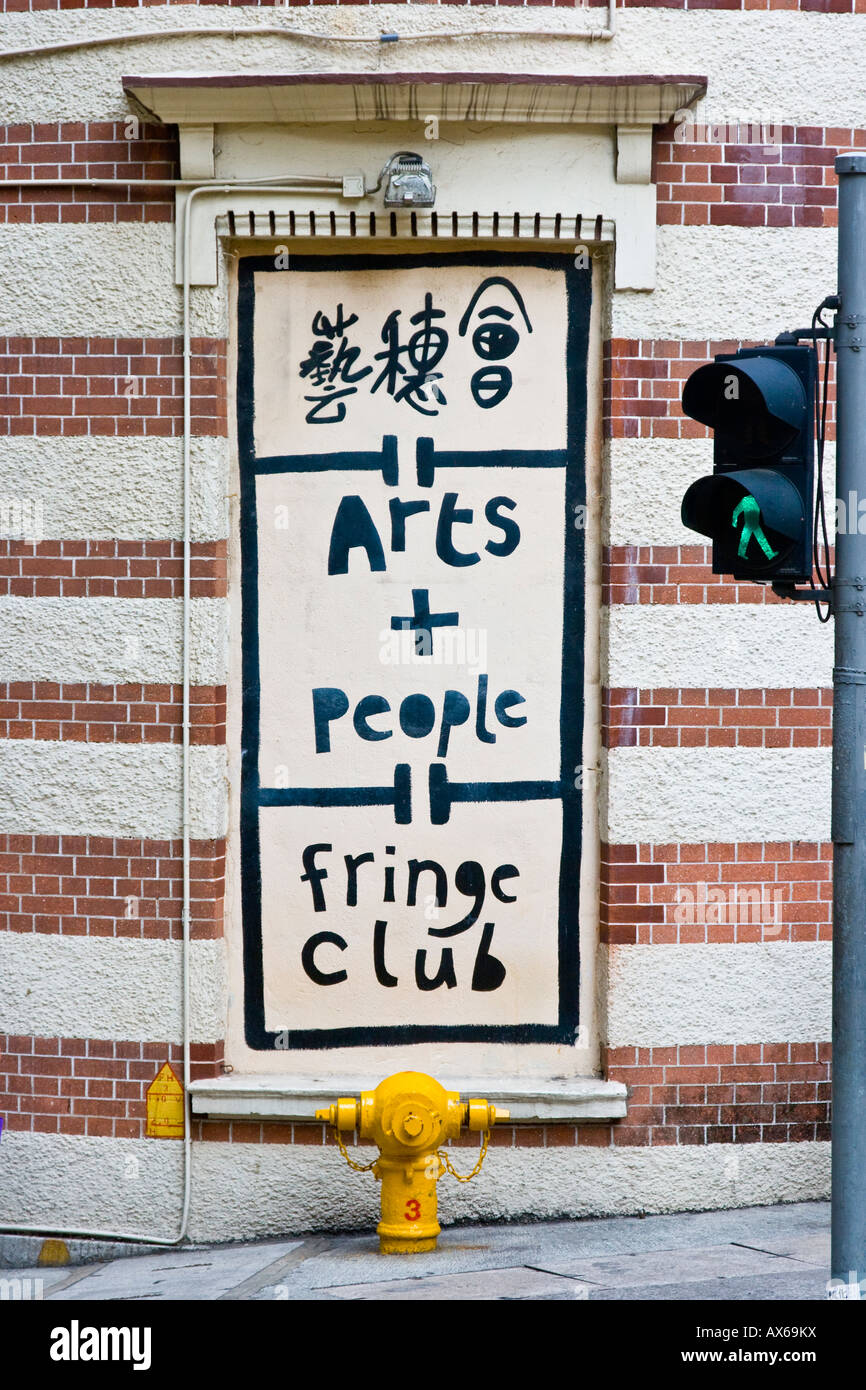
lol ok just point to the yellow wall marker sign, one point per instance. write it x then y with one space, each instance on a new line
165 1108
54 1252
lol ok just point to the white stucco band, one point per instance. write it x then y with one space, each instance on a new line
109 789
646 480
105 488
111 639
689 795
744 645
743 283
246 1190
748 992
774 65
123 988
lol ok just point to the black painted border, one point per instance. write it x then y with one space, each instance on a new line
578 289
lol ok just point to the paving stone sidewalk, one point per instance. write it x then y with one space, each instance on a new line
778 1253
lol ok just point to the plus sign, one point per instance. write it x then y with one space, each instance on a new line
422 621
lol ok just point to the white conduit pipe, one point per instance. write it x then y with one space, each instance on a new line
319 183
285 32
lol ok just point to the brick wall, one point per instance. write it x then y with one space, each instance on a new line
127 149
110 569
644 379
715 718
650 894
717 1094
736 181
90 712
667 894
88 1086
109 386
673 574
95 885
707 1094
762 1092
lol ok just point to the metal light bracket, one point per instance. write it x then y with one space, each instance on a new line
410 182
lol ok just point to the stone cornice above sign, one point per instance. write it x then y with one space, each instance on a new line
598 164
510 98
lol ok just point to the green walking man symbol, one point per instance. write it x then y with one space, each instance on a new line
750 512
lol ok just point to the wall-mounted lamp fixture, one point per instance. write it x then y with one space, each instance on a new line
409 182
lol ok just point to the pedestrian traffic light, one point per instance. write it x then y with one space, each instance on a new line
757 505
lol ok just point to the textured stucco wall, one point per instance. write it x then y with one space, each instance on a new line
76 987
262 1189
724 645
646 480
775 66
752 991
110 639
101 488
107 279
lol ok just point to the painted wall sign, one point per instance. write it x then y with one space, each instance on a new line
412 434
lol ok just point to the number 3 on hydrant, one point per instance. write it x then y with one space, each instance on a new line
408 1116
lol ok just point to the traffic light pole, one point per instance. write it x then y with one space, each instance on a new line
848 1259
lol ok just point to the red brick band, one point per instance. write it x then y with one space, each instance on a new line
717 718
127 149
674 574
714 1094
737 174
87 712
644 379
91 885
717 1094
732 173
89 1087
683 894
109 386
109 568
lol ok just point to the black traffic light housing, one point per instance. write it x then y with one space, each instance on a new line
757 507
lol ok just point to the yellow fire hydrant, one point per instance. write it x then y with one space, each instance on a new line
408 1116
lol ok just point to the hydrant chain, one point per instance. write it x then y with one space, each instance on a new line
358 1167
446 1161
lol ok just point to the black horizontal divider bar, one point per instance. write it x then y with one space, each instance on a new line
428 459
399 795
382 461
443 793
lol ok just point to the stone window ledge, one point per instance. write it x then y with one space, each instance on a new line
295 1098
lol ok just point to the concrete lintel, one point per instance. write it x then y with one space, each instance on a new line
294 1098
